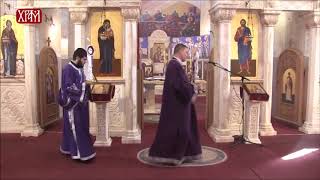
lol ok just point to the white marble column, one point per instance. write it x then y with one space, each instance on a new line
269 19
32 127
133 133
219 130
79 17
312 123
63 46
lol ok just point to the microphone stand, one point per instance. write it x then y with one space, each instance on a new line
238 139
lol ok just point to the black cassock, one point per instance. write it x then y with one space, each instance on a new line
177 137
106 52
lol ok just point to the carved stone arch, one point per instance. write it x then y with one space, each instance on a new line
159 36
48 87
159 39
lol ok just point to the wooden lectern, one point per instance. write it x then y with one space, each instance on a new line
254 96
256 92
101 94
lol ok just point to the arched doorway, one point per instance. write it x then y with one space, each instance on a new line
48 87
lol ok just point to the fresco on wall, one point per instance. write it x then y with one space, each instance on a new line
178 19
143 47
200 43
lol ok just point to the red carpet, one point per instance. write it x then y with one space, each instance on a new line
39 159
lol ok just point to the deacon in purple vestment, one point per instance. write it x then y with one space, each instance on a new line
73 97
177 138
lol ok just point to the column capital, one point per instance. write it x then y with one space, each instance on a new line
130 13
313 19
79 2
78 15
27 3
269 17
223 14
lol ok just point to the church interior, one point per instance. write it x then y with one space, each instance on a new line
258 96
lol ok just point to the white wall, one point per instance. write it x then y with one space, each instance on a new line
204 17
60 30
290 32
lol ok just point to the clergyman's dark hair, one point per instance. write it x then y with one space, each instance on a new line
243 20
80 52
178 47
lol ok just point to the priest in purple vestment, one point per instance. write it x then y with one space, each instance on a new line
177 139
73 97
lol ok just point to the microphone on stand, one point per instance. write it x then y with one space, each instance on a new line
225 69
211 32
218 65
214 63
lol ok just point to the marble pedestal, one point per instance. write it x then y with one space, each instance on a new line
251 120
103 117
150 106
151 109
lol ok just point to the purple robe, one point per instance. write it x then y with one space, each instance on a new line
73 97
177 138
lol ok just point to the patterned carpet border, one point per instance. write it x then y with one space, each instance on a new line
210 156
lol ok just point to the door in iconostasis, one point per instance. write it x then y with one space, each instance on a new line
291 87
48 87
